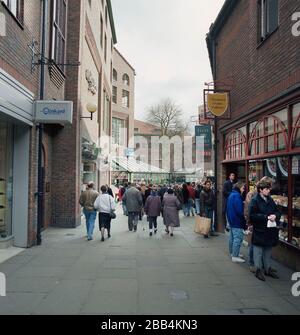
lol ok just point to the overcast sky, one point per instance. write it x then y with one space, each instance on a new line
164 40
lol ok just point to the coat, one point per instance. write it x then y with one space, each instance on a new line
259 210
235 210
207 200
227 189
153 206
171 206
133 200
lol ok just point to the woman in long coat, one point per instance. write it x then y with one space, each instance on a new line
171 206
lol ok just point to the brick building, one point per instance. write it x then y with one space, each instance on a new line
254 53
80 36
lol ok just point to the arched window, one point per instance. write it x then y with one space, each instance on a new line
126 79
235 145
268 135
296 126
115 75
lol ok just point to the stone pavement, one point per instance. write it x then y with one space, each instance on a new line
134 274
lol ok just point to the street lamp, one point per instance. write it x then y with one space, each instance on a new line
91 108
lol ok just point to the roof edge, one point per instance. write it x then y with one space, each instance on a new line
112 22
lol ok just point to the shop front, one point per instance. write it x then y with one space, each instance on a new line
270 146
16 120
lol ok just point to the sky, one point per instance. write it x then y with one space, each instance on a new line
164 40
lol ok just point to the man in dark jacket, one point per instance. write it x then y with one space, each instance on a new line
207 205
133 201
265 217
227 189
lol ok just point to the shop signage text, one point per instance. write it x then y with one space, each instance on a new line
205 131
54 112
296 26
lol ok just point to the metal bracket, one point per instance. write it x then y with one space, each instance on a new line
36 58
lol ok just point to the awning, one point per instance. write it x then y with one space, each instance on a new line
131 165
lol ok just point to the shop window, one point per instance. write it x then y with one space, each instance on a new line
295 226
296 126
235 145
268 135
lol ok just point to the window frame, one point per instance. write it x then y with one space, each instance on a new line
264 11
19 14
125 103
57 31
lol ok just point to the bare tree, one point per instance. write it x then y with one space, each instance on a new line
167 116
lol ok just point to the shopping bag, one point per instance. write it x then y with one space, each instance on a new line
202 225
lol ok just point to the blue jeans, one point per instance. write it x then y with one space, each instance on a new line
90 218
124 209
235 241
185 208
197 203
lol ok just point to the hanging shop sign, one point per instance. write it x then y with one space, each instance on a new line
54 112
218 103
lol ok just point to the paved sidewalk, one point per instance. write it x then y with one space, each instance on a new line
134 274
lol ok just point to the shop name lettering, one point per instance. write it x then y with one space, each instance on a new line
48 111
296 26
2 285
296 286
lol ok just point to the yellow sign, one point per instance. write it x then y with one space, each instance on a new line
218 103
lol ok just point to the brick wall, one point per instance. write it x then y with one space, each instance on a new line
255 72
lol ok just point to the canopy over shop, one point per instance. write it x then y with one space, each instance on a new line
129 169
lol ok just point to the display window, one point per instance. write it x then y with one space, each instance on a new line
6 179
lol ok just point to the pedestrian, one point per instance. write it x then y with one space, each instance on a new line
207 205
191 201
250 195
124 189
178 193
86 200
109 190
185 200
198 190
265 217
227 189
152 210
133 201
105 204
171 206
237 221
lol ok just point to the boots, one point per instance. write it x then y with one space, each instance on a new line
260 275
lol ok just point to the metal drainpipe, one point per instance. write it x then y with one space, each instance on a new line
41 128
216 138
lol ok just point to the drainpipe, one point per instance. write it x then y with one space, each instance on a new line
41 127
214 46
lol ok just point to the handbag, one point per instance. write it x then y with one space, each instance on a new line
112 212
202 225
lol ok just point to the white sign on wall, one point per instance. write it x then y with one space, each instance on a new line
54 112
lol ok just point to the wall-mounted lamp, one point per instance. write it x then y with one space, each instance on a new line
91 108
